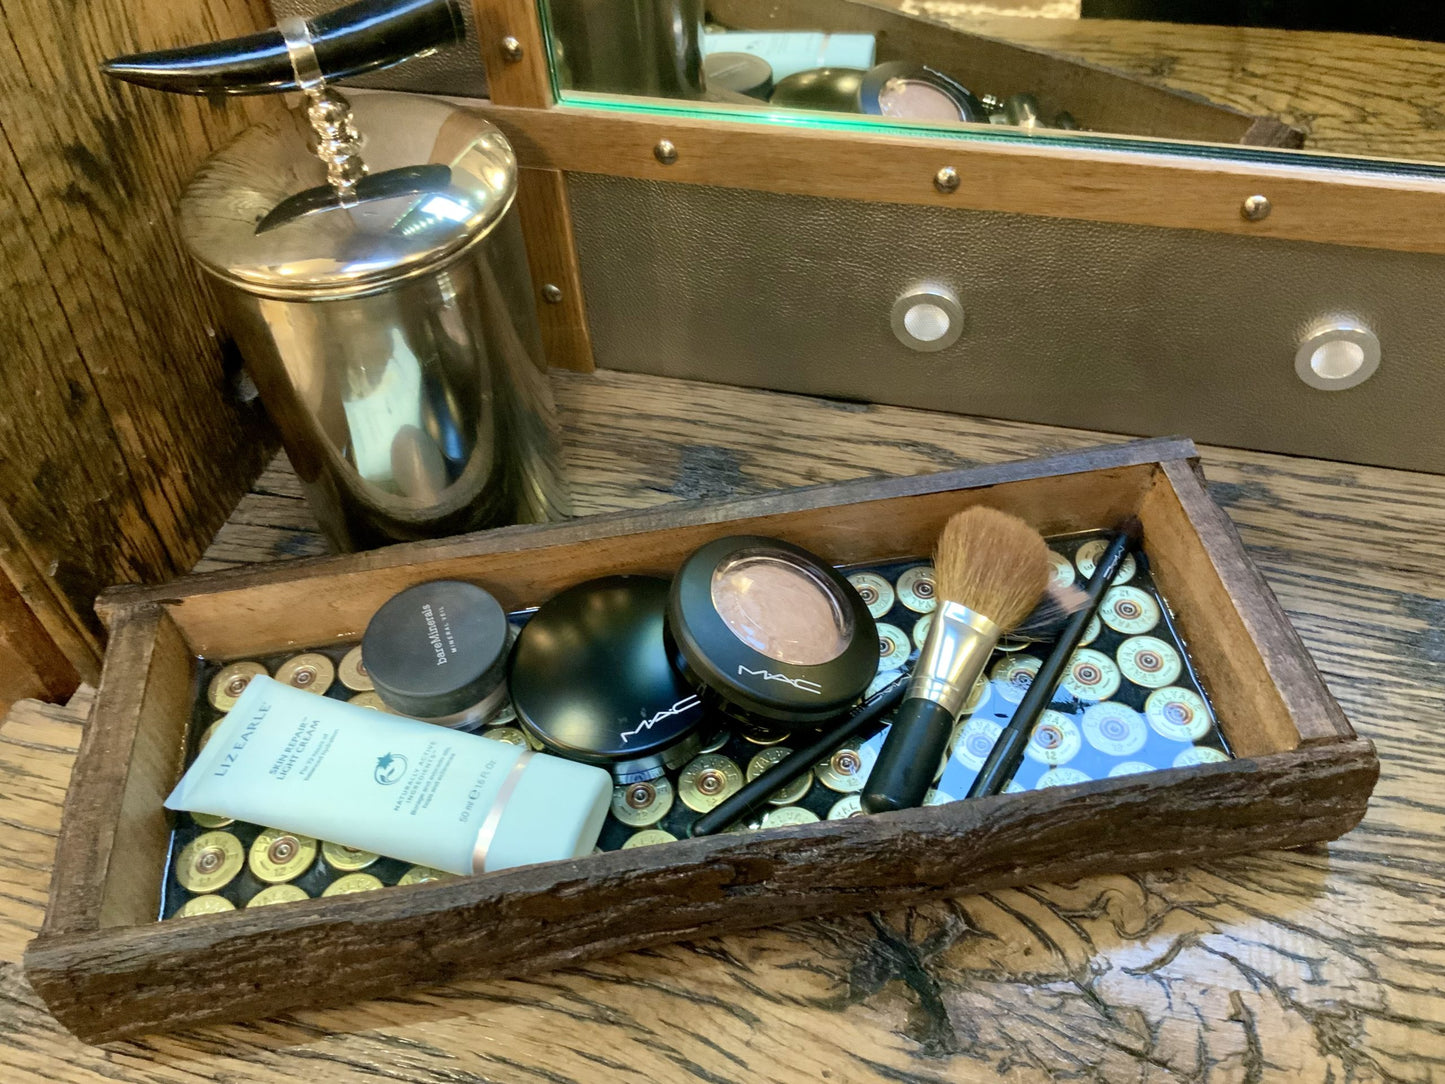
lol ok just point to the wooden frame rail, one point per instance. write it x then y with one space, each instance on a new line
1338 201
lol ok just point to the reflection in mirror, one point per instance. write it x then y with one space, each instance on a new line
1263 73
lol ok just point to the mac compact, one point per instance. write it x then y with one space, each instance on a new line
776 635
593 679
916 92
834 90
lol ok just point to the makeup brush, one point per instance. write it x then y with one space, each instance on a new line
1060 602
990 571
1008 750
755 794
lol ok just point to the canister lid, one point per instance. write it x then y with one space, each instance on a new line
436 649
259 213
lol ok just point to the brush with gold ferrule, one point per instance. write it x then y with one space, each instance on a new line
1008 750
991 570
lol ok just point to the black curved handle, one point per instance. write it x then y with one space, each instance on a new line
388 184
909 758
358 38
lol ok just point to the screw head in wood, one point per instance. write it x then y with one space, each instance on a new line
1255 208
511 49
665 151
946 180
552 294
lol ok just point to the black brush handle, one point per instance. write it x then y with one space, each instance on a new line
910 756
755 795
1005 756
1008 750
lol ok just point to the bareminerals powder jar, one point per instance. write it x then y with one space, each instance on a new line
593 679
438 652
774 633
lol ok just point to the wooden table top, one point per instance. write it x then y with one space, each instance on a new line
1323 964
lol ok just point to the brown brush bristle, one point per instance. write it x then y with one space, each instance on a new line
992 562
1047 619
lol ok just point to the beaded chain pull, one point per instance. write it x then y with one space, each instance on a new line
338 143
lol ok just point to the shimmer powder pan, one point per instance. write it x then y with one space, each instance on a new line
772 631
915 92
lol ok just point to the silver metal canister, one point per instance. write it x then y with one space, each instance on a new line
393 336
373 273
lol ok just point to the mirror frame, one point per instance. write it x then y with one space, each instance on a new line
1340 201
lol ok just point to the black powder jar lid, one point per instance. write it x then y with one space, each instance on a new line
592 679
776 632
832 90
438 651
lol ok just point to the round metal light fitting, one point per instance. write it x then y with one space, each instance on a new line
928 317
1337 355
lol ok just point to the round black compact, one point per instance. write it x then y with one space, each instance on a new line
779 636
834 90
592 679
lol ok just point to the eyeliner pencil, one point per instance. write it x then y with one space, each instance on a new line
755 795
1008 750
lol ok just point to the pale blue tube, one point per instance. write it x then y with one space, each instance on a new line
422 793
791 51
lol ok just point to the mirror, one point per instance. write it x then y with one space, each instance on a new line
1363 81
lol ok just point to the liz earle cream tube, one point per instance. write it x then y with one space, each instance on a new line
411 790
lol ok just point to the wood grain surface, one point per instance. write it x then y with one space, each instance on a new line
1143 185
1355 94
556 276
123 449
30 662
1315 965
525 78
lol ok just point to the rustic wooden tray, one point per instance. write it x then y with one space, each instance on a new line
108 970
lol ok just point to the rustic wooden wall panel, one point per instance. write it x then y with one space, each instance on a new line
30 664
120 448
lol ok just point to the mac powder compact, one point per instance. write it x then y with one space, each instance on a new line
915 92
593 679
773 632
